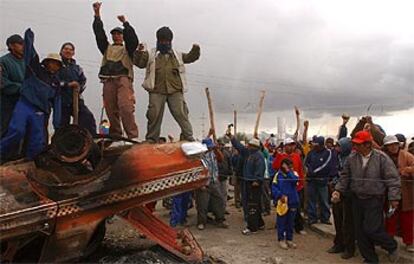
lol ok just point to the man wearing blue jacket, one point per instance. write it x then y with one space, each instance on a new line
320 168
284 189
253 177
39 93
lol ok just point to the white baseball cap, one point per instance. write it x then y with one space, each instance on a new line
391 139
288 141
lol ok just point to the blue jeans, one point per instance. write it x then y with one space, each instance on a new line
26 119
285 225
180 205
318 193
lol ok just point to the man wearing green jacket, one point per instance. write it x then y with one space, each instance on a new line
12 74
166 83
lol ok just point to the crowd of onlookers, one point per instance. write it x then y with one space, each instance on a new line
365 181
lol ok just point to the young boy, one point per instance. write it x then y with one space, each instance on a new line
284 191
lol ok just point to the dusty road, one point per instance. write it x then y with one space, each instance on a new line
122 244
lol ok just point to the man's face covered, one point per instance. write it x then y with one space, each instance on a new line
164 39
164 46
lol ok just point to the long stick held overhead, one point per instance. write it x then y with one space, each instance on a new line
259 113
211 114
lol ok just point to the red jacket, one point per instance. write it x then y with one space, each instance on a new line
297 165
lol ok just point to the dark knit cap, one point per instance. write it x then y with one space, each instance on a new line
164 33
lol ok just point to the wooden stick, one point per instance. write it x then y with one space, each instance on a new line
75 106
235 122
259 114
211 113
297 113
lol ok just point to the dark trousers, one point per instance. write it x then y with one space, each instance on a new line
236 183
344 225
266 196
285 225
369 227
209 199
86 118
299 221
7 104
254 207
244 199
318 193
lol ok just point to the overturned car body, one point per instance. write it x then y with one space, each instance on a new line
53 209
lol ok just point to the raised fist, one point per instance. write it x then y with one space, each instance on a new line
122 18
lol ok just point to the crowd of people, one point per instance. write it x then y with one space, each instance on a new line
365 178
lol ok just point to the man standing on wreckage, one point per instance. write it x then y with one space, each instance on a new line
166 83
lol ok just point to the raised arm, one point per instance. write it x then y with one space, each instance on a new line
130 37
193 55
98 29
31 58
141 57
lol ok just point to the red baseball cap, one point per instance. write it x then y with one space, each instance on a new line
362 137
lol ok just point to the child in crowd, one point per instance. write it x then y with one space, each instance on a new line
286 197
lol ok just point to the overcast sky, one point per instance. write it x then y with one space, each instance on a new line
327 57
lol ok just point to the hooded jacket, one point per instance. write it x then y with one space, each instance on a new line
40 88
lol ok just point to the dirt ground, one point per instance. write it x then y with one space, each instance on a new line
122 243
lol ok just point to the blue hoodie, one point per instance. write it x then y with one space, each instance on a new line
40 88
285 184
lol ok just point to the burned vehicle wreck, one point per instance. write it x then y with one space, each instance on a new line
53 209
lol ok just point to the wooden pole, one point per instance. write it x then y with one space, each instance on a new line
211 114
75 106
259 114
235 122
297 113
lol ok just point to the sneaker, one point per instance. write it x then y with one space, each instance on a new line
247 232
410 248
291 244
302 232
201 227
222 225
346 255
262 227
283 244
335 250
394 255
